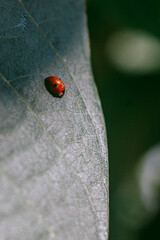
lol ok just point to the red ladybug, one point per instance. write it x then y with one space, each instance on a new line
55 86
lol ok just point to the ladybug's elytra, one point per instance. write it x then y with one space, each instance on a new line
55 86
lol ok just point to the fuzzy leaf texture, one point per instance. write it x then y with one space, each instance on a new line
53 152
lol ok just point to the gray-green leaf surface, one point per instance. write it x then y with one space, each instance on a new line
53 152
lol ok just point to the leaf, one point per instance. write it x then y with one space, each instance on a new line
53 169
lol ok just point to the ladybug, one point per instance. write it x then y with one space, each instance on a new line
55 86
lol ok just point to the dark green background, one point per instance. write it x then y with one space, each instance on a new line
130 103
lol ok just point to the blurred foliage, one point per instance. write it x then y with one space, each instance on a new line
131 107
